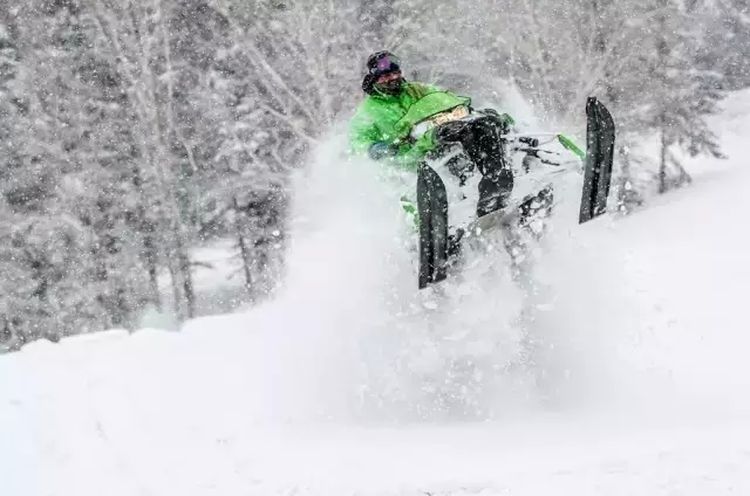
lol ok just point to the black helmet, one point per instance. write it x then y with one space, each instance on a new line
379 63
383 62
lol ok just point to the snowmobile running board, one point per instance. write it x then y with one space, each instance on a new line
432 201
518 212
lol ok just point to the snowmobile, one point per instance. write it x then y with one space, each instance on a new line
457 202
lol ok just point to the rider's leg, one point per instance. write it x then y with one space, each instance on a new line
485 146
487 150
481 139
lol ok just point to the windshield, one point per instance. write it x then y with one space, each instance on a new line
426 107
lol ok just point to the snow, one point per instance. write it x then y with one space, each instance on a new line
340 385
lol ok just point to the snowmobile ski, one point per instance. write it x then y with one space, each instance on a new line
600 145
432 205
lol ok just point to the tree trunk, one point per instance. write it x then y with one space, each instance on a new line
663 155
244 250
149 249
176 291
186 278
662 50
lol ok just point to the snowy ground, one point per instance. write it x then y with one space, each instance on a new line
638 385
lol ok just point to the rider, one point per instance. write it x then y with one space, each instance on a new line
373 130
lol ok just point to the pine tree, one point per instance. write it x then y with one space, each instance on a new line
680 95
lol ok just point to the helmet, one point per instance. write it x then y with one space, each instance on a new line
382 62
378 64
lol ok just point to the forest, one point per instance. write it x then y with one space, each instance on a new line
134 131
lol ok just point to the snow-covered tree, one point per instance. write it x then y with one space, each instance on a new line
672 95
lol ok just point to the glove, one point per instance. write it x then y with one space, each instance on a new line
489 111
508 121
382 150
505 119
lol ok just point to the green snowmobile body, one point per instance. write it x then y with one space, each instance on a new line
436 245
426 107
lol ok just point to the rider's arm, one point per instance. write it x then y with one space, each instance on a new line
363 133
365 137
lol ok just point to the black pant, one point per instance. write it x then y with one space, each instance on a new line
481 140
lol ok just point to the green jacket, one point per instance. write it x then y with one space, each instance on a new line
377 120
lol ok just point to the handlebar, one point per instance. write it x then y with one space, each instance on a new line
527 140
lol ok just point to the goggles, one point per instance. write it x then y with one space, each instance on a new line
385 64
